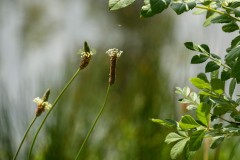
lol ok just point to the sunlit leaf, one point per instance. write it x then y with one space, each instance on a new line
152 7
187 122
232 86
196 140
180 6
203 113
166 123
199 83
117 4
172 137
178 148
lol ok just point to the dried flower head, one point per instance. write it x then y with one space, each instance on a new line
86 56
114 54
42 103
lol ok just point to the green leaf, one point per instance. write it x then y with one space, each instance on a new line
203 113
203 77
217 84
234 7
196 140
172 137
187 122
220 110
204 48
211 66
216 141
236 70
117 4
198 59
232 87
225 75
191 46
214 74
178 148
215 56
166 123
235 41
230 27
152 7
233 54
186 91
209 18
180 7
200 84
221 19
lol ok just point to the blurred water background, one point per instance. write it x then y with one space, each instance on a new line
38 45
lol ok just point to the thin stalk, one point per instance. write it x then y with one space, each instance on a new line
24 137
232 154
55 102
206 149
217 11
94 124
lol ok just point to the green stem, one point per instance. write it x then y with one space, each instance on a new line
55 102
24 137
94 124
217 11
232 154
217 61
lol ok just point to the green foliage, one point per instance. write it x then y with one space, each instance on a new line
117 4
212 101
152 7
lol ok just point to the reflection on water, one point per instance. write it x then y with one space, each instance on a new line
38 38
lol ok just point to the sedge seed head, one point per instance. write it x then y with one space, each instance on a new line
42 103
86 55
114 54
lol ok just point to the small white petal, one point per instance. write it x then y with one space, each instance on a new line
38 101
47 105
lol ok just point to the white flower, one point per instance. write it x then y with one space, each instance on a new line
86 54
114 52
40 102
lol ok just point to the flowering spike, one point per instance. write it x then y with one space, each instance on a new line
46 95
86 56
114 54
42 104
86 47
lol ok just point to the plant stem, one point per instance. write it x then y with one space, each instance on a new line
55 102
206 149
217 11
24 137
232 154
94 124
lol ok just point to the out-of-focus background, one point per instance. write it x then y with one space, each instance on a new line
38 45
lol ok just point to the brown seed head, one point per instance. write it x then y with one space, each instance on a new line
86 56
42 104
114 54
